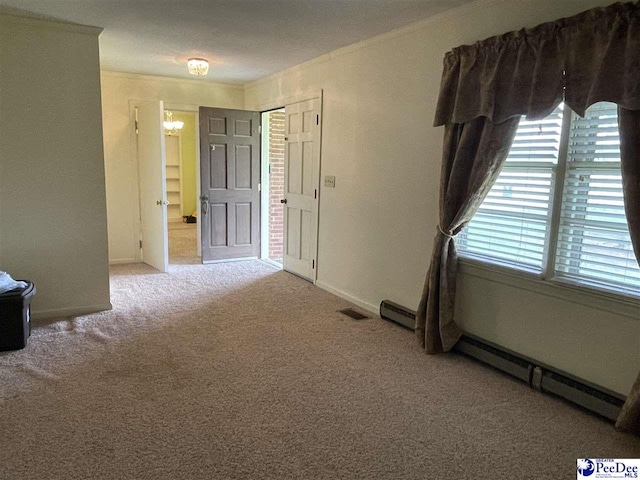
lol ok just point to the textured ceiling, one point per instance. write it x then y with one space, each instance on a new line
243 39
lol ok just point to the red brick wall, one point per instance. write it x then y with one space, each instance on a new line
276 184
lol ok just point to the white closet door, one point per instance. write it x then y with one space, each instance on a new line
151 166
301 178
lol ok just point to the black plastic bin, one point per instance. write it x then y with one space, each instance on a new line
15 321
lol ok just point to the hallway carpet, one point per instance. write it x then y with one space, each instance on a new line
238 371
183 243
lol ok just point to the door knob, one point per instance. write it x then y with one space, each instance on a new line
161 202
284 200
204 201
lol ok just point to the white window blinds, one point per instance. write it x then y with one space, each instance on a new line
515 223
594 246
511 226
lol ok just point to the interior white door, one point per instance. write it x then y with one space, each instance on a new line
301 183
151 170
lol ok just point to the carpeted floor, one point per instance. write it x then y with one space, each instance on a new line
183 246
239 371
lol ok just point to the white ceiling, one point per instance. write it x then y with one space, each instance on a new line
243 39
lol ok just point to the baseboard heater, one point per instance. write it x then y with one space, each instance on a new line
536 374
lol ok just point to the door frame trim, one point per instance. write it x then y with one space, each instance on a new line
133 156
282 102
265 206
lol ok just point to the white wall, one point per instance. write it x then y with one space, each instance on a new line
53 225
585 338
377 225
118 90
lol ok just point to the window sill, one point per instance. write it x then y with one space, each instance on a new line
598 299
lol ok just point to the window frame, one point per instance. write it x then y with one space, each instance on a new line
597 298
546 281
527 167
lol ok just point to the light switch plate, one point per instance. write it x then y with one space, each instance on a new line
330 181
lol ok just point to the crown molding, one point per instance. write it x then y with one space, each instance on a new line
160 78
49 24
447 16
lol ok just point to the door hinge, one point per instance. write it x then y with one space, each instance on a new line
140 243
317 119
260 129
315 193
313 264
259 187
135 119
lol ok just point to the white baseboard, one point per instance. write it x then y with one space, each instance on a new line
227 260
123 261
69 312
271 263
339 293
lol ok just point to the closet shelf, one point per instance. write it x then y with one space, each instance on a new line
173 178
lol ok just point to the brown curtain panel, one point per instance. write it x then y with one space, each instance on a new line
629 126
472 158
485 89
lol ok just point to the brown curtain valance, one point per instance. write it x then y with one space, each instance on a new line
590 57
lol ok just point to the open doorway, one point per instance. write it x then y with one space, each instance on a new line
256 186
291 176
181 187
273 145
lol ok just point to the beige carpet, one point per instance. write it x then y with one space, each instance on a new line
183 246
239 371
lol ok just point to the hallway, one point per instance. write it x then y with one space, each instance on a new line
183 243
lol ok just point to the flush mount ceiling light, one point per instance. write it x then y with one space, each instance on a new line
198 66
171 127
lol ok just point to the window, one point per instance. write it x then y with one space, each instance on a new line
556 209
512 225
593 239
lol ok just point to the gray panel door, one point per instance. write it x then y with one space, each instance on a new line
229 183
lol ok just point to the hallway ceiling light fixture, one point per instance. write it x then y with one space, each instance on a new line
171 127
198 66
